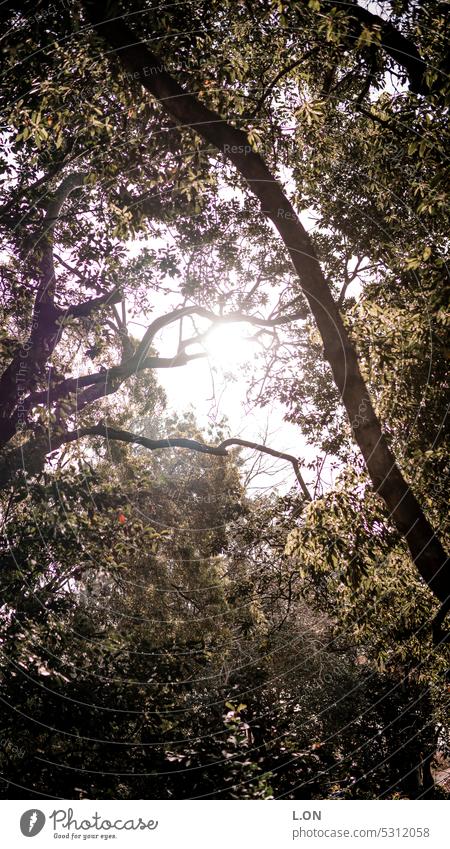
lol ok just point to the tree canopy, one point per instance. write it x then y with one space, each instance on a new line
167 171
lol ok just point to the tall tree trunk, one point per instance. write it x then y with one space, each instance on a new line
426 549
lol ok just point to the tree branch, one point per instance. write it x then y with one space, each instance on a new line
111 378
278 77
87 307
401 49
152 444
201 312
245 443
44 238
27 364
36 450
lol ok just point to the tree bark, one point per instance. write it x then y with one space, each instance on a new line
26 366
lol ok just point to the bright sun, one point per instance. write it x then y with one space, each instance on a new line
229 345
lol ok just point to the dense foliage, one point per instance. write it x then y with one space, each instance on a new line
164 632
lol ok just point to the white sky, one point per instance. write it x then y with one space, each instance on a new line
216 387
206 387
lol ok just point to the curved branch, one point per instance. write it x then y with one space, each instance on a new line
202 312
138 362
191 444
400 48
31 457
152 444
245 443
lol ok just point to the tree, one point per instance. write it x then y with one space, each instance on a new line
39 400
179 659
327 27
172 185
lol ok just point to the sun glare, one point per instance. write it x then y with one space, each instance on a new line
229 345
